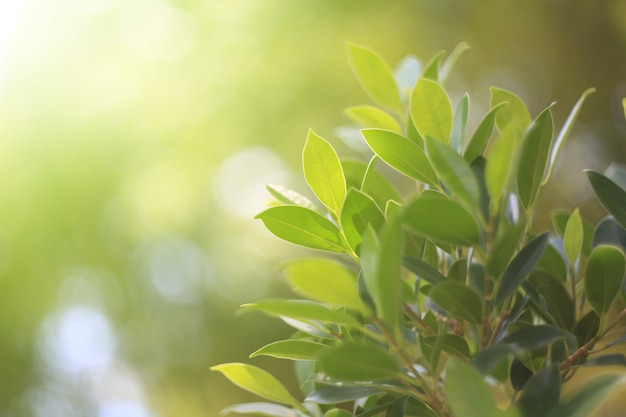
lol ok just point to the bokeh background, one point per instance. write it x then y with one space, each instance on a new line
136 137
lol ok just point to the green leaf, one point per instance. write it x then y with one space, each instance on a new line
573 237
480 138
611 195
609 232
398 407
604 276
489 358
370 181
459 301
557 299
542 392
359 211
452 59
565 131
451 343
459 122
514 116
304 310
534 150
454 172
373 117
423 270
340 394
431 69
375 76
519 374
358 362
291 349
381 270
443 220
581 403
617 173
507 239
468 395
287 196
536 336
559 220
260 409
519 268
325 280
430 110
337 412
587 327
323 172
605 360
458 270
500 166
256 381
304 227
401 154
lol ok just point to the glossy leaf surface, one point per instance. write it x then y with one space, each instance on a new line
303 227
358 362
287 196
323 172
373 117
401 154
359 211
430 110
611 195
479 140
604 276
514 115
291 349
573 237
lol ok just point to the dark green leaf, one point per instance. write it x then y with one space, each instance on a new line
534 152
325 280
553 262
260 409
304 227
480 138
375 76
459 122
358 362
398 407
609 232
442 220
458 271
611 195
430 110
536 336
605 360
616 172
468 395
323 172
557 298
291 349
257 381
604 276
486 360
565 130
401 154
519 268
359 211
520 374
451 343
423 270
587 327
340 394
458 300
507 239
453 171
542 392
373 117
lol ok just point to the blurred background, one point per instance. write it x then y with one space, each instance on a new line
136 137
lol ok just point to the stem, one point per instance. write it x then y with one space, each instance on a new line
486 306
503 314
416 317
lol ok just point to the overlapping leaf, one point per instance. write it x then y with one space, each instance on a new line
430 110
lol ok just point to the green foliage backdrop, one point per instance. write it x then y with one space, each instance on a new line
136 136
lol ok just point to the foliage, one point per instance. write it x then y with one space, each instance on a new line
445 301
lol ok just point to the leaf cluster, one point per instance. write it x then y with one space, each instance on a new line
445 302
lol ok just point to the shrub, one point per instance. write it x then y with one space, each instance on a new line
445 302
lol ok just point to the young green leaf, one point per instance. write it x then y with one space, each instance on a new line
431 69
478 143
373 117
337 412
375 76
358 362
260 409
564 133
500 165
534 150
447 66
573 237
370 181
423 270
291 349
454 172
442 219
430 110
459 301
359 211
287 196
257 381
604 276
468 395
304 227
514 116
323 172
326 281
459 122
401 154
611 195
519 268
304 310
